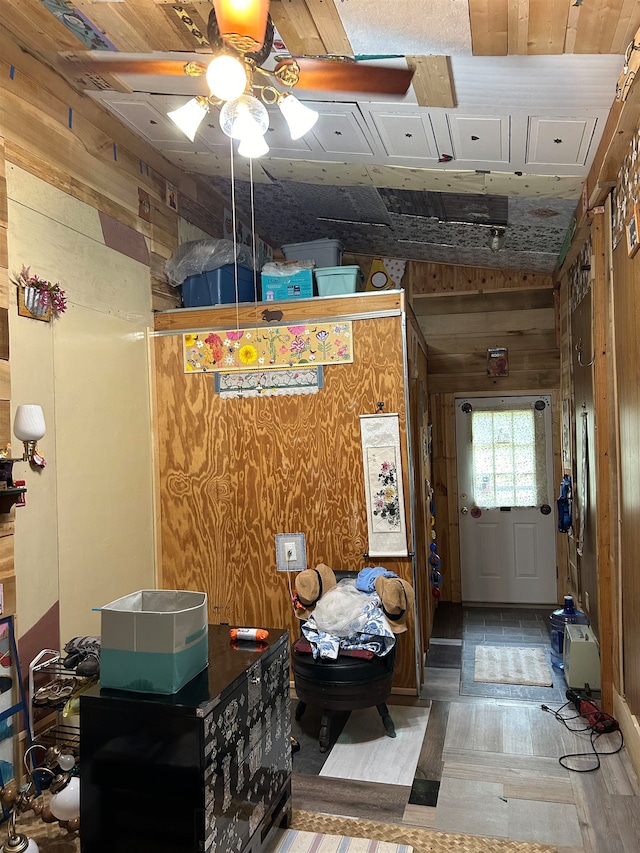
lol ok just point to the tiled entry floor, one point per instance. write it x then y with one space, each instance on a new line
513 627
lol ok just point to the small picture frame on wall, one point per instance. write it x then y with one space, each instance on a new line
633 244
497 361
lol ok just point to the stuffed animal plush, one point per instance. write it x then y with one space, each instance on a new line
397 599
310 585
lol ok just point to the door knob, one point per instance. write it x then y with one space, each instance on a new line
464 510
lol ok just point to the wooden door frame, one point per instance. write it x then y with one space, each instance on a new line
446 481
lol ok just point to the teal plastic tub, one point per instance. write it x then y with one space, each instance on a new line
333 281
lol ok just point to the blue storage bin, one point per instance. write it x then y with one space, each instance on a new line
297 285
217 286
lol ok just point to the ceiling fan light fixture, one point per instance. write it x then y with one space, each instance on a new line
226 77
189 116
242 23
299 117
253 146
244 117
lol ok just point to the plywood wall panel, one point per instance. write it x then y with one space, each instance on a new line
627 320
5 426
234 473
4 260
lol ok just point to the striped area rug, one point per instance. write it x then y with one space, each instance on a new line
298 841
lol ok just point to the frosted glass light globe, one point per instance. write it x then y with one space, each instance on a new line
20 843
226 77
67 761
65 804
244 116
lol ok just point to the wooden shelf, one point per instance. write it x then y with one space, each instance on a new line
10 497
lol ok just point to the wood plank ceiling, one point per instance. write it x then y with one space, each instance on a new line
508 101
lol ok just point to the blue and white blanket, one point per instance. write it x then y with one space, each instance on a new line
369 631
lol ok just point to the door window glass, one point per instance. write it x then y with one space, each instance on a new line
508 467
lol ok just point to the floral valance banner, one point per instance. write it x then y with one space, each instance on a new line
269 383
383 485
268 347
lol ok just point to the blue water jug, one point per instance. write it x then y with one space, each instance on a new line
558 619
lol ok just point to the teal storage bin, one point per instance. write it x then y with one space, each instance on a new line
154 640
218 286
334 281
295 285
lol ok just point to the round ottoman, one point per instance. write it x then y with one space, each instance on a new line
344 684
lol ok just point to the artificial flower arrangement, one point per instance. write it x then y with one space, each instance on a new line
48 296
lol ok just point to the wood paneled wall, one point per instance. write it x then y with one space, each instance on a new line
627 346
235 472
462 312
69 141
7 570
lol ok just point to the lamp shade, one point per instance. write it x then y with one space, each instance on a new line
299 117
189 116
253 146
242 22
28 424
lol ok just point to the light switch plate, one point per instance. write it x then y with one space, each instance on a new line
284 541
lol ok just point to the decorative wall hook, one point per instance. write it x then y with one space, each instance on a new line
579 351
379 407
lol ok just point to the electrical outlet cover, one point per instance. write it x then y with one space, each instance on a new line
284 565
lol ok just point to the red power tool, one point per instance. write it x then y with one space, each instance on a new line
598 721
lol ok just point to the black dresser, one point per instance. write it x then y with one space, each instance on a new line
206 769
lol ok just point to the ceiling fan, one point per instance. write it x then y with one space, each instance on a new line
240 34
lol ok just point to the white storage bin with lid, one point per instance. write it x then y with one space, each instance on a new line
334 281
325 252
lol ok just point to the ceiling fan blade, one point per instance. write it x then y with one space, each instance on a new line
115 65
337 75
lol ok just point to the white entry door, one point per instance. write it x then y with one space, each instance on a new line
505 500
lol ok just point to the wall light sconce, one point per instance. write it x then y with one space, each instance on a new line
29 427
497 238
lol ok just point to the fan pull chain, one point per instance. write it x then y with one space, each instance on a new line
233 225
253 241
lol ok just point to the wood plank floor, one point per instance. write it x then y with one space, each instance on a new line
497 762
489 762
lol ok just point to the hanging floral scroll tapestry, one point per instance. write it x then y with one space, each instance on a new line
268 347
383 485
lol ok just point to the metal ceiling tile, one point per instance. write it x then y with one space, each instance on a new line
426 205
405 134
340 130
341 204
559 141
483 210
479 139
146 116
